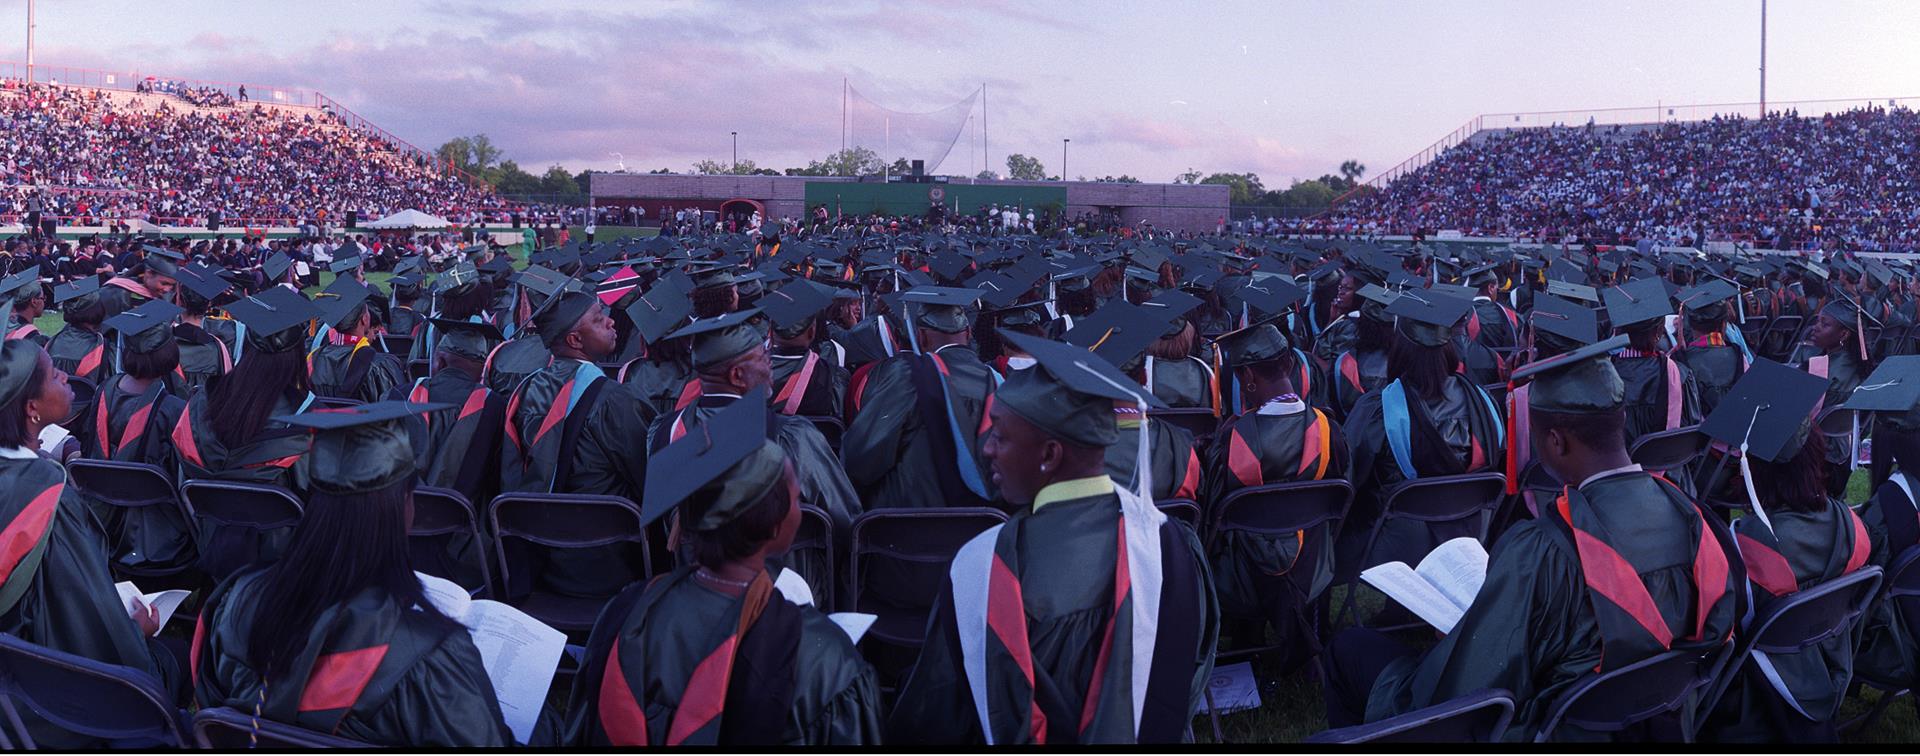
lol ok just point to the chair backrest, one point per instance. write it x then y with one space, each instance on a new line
899 557
829 427
229 730
253 506
1199 421
417 369
126 706
559 521
438 515
1836 422
1778 339
396 345
1632 694
122 484
1282 508
1804 618
1902 585
1478 717
813 556
1497 392
1451 506
1184 510
1668 450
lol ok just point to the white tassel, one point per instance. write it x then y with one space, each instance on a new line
1746 473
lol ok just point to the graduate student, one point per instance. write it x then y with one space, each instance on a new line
29 299
1890 515
662 373
1620 567
807 379
79 349
1716 353
1661 395
713 653
1834 348
1089 617
1363 367
338 636
133 414
345 364
152 278
205 353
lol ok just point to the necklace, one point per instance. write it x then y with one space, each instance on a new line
703 574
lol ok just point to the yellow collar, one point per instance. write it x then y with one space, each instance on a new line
1067 490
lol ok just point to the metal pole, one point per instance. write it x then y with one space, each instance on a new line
736 150
30 41
843 114
1763 58
1063 158
986 157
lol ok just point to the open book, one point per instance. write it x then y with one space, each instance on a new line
520 652
164 603
1441 588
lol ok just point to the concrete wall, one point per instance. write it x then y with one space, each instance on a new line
1190 207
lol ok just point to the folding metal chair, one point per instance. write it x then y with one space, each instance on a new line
1634 694
829 427
1314 509
417 369
1184 510
1199 421
1478 717
523 522
898 560
123 706
1776 343
250 522
1448 506
1666 451
813 556
132 487
229 730
400 346
1801 620
1902 589
445 539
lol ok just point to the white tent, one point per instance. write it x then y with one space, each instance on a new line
408 219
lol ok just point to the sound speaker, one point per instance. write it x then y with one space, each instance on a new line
516 221
213 222
353 219
48 226
919 167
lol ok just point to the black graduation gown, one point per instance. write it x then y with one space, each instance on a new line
1183 383
1356 372
1649 394
666 384
1537 626
405 321
371 670
57 591
130 427
1716 366
570 429
903 447
1458 432
356 370
515 359
81 352
1493 324
1887 647
1059 564
18 329
823 392
117 296
227 330
277 456
1176 464
1280 442
1337 337
1802 550
667 664
203 356
456 448
1845 373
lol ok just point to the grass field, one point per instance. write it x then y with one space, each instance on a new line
1293 706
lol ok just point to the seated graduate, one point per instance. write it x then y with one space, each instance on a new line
206 344
1716 352
1648 574
713 653
1835 348
916 415
1427 421
59 591
133 414
1891 516
523 353
79 349
1661 395
338 635
1124 333
663 372
1278 439
29 298
344 363
151 278
1110 622
806 381
1363 367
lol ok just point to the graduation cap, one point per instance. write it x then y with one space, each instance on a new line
1570 323
558 316
1270 295
22 285
75 289
163 261
1768 411
615 284
276 266
1069 394
1261 342
659 310
1638 301
144 328
497 267
341 300
941 308
470 339
949 265
1120 333
1578 382
1027 315
711 274
459 276
545 281
361 449
1707 300
413 264
1580 292
719 468
275 318
341 265
719 339
1427 319
795 305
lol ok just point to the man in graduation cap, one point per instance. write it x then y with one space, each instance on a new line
338 635
1835 348
152 278
730 359
914 437
79 349
1620 567
457 446
1089 617
1891 514
345 364
1276 438
1661 395
1491 323
720 651
204 353
569 429
29 299
130 420
1121 333
1715 351
806 381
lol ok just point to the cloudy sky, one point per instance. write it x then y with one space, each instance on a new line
1284 89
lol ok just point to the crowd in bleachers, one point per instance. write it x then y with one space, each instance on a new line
95 157
1838 181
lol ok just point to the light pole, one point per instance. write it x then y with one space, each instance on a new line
29 42
736 150
1063 159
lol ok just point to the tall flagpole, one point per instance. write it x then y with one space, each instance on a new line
1763 58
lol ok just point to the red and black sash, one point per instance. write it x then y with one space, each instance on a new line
930 404
135 429
1631 624
1768 568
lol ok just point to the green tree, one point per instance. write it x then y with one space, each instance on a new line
1118 180
1352 170
558 181
509 178
473 154
1190 177
1246 188
853 161
900 167
1023 168
987 175
717 168
1313 196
